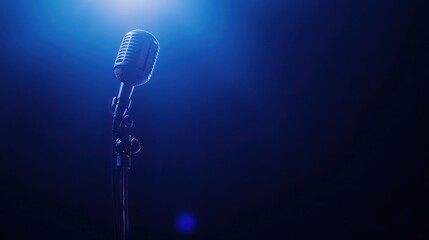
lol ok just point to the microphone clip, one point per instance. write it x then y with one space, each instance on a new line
124 144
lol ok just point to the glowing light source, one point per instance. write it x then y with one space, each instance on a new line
142 9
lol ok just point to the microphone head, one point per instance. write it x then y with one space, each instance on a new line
136 57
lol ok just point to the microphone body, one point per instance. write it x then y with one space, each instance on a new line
133 67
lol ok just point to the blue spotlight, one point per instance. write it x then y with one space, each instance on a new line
139 9
186 223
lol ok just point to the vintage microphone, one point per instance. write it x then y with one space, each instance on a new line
133 67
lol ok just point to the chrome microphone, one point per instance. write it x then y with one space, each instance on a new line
133 67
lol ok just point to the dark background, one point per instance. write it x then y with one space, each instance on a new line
263 119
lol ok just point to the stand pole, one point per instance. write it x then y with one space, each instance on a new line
123 146
121 198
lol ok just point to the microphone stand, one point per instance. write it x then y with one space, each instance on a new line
123 147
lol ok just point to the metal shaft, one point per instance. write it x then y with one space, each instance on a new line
121 200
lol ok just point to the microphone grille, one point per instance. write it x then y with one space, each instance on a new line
123 48
136 57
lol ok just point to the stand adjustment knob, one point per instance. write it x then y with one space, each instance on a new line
135 146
